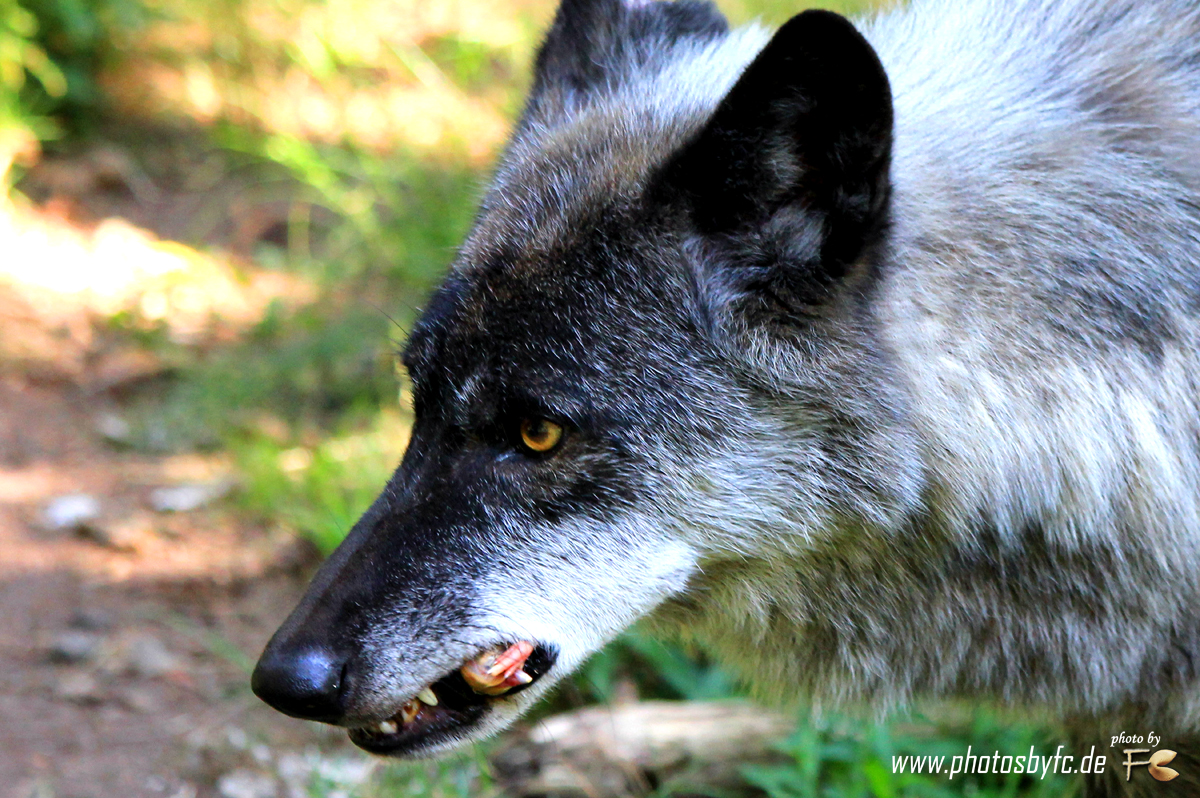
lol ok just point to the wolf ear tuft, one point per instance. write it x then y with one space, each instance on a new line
805 134
594 45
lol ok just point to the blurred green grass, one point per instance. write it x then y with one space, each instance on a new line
308 402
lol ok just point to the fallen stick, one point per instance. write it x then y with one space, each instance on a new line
633 749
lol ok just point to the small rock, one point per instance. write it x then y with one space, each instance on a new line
237 737
188 497
146 656
114 428
247 784
73 511
78 687
73 647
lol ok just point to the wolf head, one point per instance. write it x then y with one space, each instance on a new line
652 354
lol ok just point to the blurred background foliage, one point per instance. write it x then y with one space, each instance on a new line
343 144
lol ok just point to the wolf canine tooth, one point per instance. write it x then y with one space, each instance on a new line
427 696
386 727
495 673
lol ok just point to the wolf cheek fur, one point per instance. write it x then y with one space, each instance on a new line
879 402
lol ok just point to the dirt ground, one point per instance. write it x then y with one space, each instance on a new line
125 637
116 679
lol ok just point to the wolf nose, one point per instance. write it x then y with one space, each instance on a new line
304 682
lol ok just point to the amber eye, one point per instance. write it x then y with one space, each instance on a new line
540 435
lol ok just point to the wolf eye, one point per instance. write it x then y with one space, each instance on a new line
540 434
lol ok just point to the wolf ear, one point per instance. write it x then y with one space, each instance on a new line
595 45
803 138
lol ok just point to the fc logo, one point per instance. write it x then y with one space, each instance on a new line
1156 762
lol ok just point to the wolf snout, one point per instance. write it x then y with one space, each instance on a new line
305 681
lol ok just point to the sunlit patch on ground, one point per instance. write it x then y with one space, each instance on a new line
58 280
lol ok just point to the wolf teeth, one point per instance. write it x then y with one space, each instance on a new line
496 672
408 712
427 696
386 727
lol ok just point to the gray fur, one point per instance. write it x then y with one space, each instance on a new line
972 469
1012 507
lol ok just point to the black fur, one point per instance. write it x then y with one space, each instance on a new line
797 153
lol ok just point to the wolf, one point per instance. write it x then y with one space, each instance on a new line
866 355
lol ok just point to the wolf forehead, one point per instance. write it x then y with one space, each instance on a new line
562 333
614 97
572 242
